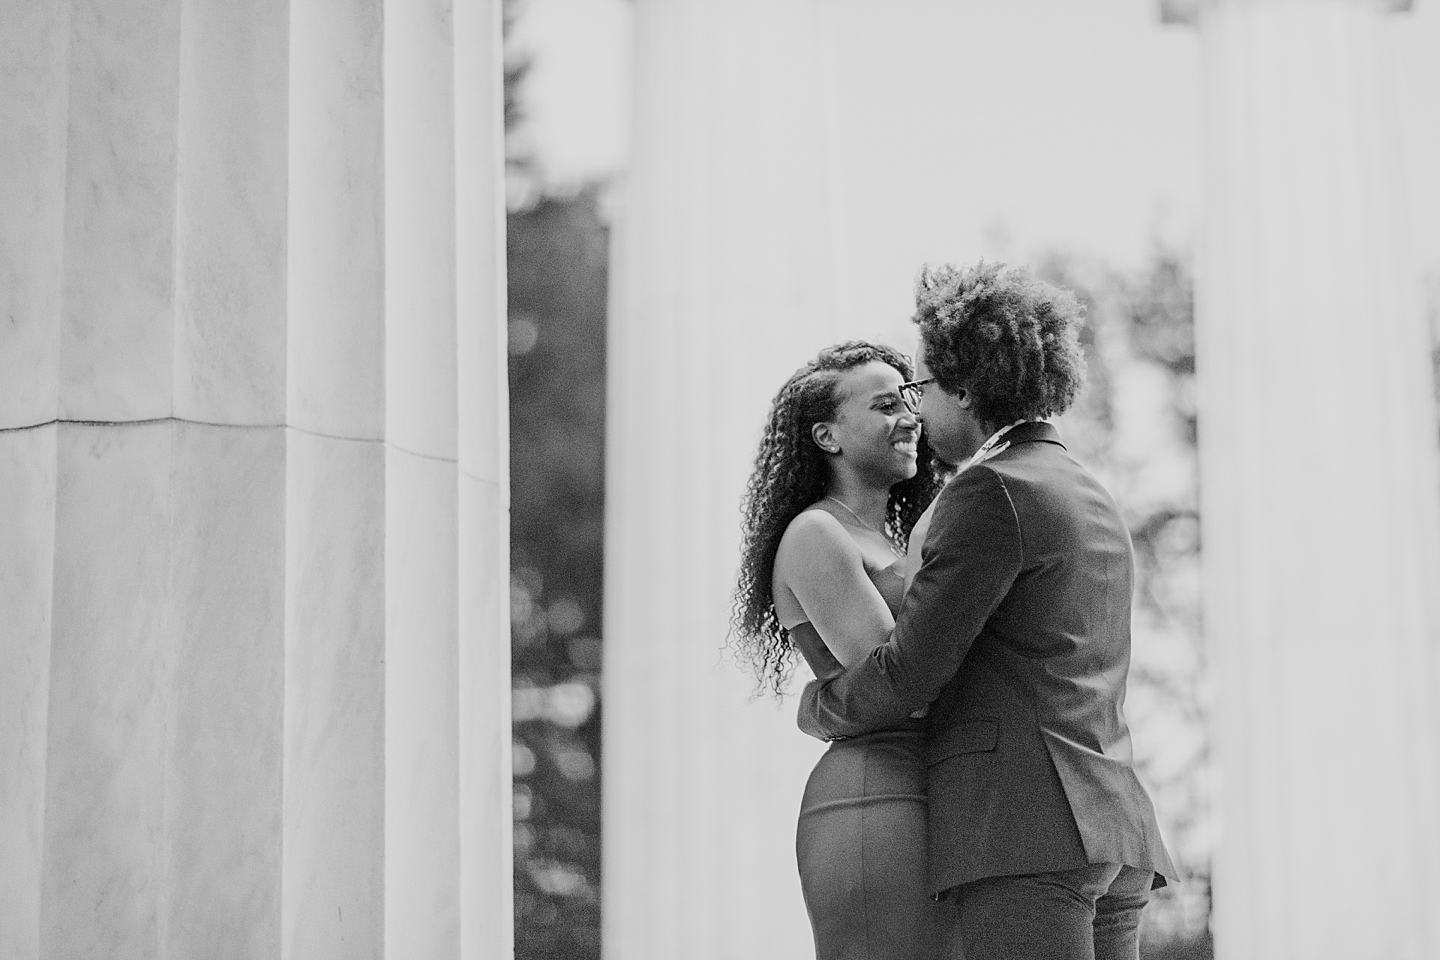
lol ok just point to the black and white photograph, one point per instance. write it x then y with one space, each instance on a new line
719 479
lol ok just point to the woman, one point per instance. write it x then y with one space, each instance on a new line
841 477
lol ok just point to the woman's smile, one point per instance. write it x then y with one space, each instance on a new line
908 444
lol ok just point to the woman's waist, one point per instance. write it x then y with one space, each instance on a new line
882 765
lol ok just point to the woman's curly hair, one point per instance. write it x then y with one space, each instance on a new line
1009 339
790 474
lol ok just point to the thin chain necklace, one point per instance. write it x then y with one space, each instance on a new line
860 520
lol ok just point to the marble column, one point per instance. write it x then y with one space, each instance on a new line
1321 493
720 290
254 701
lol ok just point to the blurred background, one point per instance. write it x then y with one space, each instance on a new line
1061 134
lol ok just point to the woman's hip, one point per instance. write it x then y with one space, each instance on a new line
885 767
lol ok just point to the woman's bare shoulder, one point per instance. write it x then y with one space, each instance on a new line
815 527
815 536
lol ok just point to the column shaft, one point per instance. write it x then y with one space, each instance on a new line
487 912
720 290
1321 493
252 548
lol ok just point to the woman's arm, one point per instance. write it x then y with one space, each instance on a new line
820 565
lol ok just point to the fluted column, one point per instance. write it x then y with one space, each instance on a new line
720 290
1321 493
255 679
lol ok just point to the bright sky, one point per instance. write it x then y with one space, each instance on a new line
1005 128
577 93
1077 126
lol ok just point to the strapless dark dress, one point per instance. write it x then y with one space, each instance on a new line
861 842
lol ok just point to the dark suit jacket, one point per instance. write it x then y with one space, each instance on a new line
1016 631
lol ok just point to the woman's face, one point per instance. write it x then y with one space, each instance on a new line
873 431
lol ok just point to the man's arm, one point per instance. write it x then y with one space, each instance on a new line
969 560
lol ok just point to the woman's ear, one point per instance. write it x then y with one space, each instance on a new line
824 437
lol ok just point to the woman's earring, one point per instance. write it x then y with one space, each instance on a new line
828 444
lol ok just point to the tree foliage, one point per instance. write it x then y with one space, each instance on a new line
557 259
556 253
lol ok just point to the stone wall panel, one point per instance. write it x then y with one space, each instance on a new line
111 694
116 342
334 767
481 392
335 266
27 567
483 665
231 215
420 264
222 847
422 723
34 38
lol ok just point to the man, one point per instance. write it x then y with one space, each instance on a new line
1016 633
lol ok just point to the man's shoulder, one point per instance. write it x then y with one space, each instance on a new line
1054 494
976 498
1039 464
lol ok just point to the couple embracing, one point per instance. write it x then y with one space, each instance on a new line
960 586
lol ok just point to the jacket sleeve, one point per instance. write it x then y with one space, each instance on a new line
969 560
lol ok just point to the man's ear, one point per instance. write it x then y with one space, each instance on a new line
824 437
962 397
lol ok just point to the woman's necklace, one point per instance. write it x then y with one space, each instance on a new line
858 519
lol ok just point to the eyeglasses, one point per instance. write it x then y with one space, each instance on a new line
913 391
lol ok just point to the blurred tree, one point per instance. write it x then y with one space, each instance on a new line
556 253
557 261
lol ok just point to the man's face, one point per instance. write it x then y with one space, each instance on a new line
950 426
